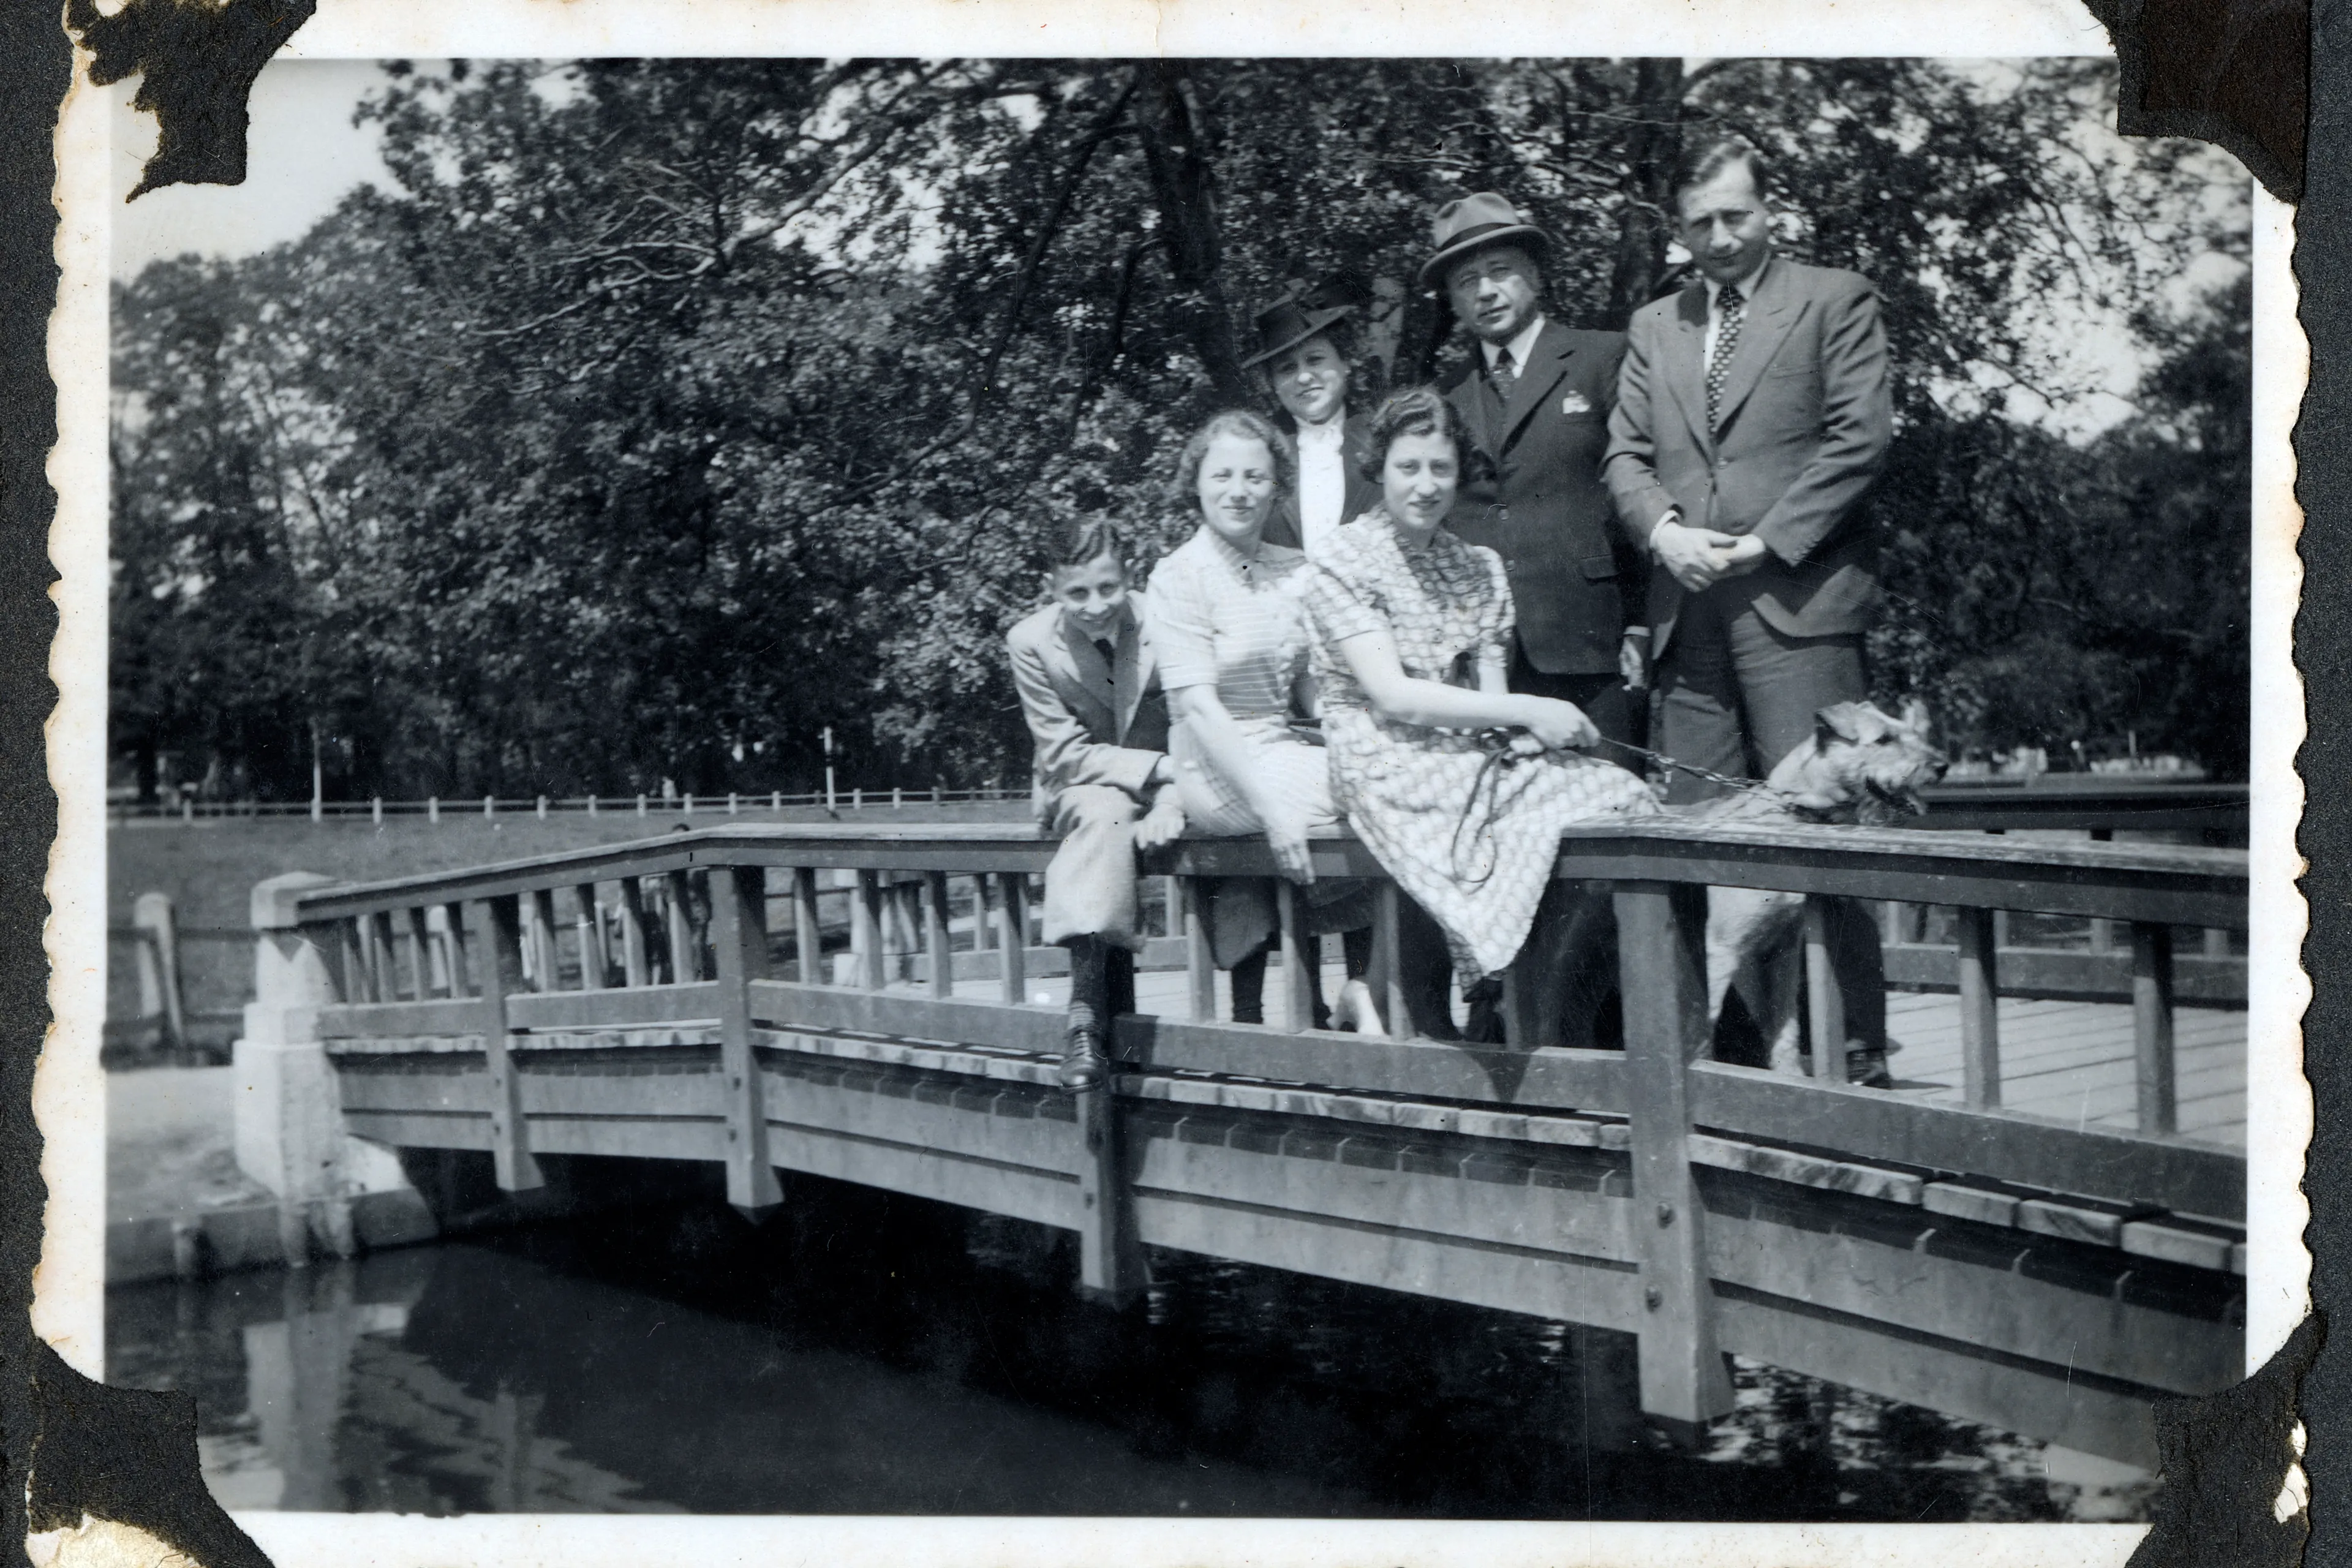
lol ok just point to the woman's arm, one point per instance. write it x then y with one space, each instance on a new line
1226 748
1402 699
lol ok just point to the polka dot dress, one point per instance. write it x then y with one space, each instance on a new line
1470 836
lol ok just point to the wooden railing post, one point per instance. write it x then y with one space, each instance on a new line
935 933
543 936
1825 1002
679 920
1299 956
2152 1026
500 920
740 937
1012 932
808 937
635 962
1200 960
1662 968
1980 1007
461 980
1388 961
865 932
590 920
420 948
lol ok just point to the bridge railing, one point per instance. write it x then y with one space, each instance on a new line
658 940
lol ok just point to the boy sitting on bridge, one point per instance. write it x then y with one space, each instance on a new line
1102 781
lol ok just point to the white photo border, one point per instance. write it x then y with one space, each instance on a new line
70 1089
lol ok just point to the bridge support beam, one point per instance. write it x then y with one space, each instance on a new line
1110 1256
1661 966
500 920
336 1193
739 931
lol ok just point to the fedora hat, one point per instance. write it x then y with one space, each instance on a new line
1291 321
1473 223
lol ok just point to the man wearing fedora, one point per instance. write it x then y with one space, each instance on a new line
1537 402
1753 418
1304 352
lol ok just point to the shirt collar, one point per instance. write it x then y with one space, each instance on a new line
1222 549
1746 286
1521 346
1332 434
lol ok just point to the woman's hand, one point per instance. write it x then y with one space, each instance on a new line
1561 726
1286 834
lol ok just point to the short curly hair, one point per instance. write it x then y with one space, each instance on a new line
1415 411
1185 484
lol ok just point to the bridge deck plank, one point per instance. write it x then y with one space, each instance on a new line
2073 1059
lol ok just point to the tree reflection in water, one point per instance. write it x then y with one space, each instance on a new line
862 1353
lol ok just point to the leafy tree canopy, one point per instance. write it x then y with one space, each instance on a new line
670 412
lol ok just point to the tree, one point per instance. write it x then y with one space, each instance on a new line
670 412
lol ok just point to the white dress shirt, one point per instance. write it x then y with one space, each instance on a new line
1322 480
1521 346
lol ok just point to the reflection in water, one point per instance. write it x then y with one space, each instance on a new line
861 1353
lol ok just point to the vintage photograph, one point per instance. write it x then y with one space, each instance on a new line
1406 788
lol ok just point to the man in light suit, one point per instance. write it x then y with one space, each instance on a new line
1536 401
1102 781
1753 414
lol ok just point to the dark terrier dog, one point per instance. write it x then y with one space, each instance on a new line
1862 766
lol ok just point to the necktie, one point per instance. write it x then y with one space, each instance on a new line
1109 653
1504 372
1726 339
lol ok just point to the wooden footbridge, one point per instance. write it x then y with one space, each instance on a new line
2048 1276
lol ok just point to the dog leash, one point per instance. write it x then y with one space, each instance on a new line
1709 774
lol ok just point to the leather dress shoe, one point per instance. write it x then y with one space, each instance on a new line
1084 1065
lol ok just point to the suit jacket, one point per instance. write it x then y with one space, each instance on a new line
1807 415
1361 497
1092 723
1537 500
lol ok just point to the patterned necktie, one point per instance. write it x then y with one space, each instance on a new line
1504 372
1726 339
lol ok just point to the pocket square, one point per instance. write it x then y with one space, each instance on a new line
1575 402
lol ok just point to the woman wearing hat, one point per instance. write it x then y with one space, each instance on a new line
1305 350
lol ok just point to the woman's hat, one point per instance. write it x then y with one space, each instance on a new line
1291 321
1473 223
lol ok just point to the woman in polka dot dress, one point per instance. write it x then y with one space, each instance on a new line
1412 629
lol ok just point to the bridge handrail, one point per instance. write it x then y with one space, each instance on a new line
2178 884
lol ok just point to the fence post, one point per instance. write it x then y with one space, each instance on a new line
432 808
591 805
738 937
490 806
1662 970
641 803
500 919
375 809
159 966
